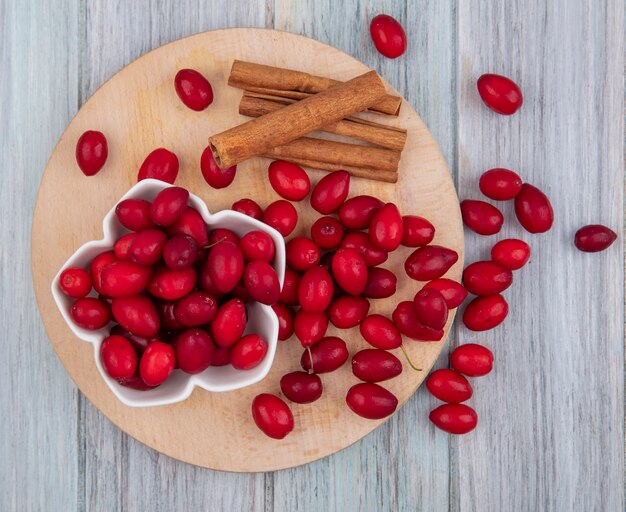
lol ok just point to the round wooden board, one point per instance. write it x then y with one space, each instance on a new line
138 110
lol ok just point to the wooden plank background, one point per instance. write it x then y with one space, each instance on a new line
551 415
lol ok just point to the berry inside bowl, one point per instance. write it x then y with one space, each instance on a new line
261 318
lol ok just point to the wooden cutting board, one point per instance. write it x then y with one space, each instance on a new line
138 110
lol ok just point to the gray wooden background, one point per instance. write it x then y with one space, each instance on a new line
550 435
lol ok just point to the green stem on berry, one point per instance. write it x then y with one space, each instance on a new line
409 359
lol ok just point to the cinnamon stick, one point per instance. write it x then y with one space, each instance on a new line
258 136
255 105
359 172
339 153
269 79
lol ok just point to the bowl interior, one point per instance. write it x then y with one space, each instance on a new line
261 318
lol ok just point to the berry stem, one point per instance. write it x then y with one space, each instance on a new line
408 359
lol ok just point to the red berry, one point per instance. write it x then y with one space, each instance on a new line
180 252
98 264
380 332
329 354
417 231
169 205
350 271
302 253
486 278
454 293
194 351
248 207
118 357
225 266
139 343
289 292
220 357
500 94
172 284
137 314
301 387
282 216
289 180
533 209
161 164
124 278
327 232
272 416
90 313
482 218
386 228
594 238
348 311
75 282
169 321
330 192
500 184
485 313
316 290
248 352
122 246
218 235
388 36
197 308
381 283
285 321
157 363
431 308
430 262
193 89
405 320
257 246
511 253
192 224
310 327
472 360
361 243
228 324
261 282
371 401
91 152
449 386
375 365
147 247
134 214
213 174
454 418
357 212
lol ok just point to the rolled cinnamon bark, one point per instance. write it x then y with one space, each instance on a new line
258 136
294 84
338 153
255 105
358 172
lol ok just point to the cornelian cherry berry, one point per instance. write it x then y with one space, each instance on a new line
485 313
486 278
533 209
161 164
481 217
388 36
500 94
289 180
214 175
301 387
327 232
157 363
511 253
169 205
272 416
330 192
193 89
90 313
248 352
472 360
194 350
454 293
594 238
454 418
118 357
371 401
282 216
75 282
500 184
248 207
91 152
431 308
449 386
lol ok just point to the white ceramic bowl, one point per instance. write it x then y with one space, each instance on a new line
261 318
